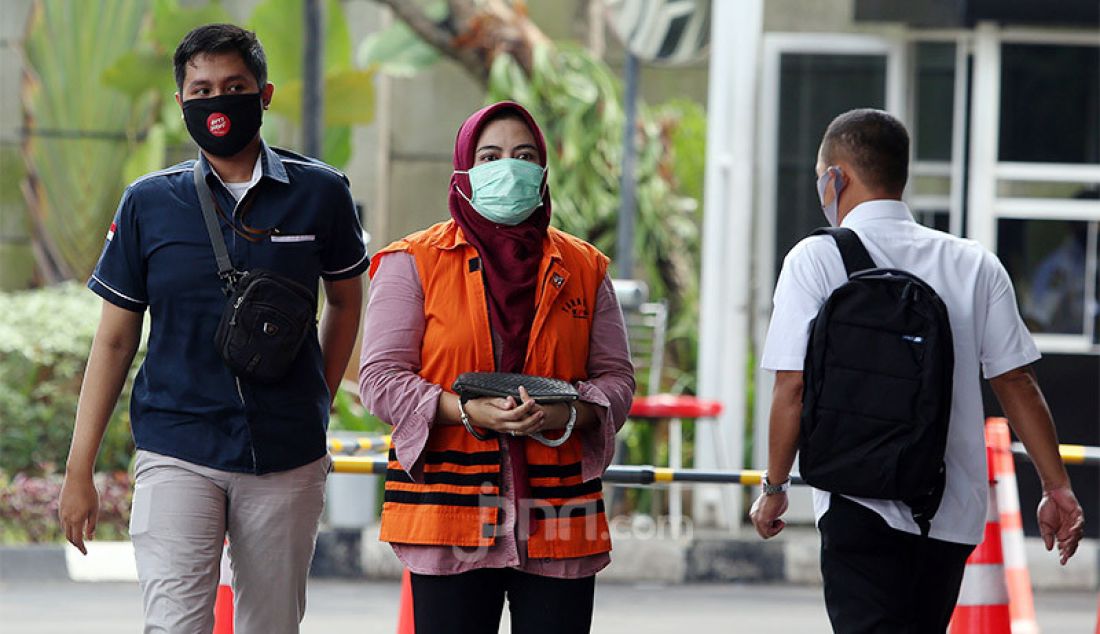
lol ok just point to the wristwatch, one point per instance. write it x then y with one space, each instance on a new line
773 489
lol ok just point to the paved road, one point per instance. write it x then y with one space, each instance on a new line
340 606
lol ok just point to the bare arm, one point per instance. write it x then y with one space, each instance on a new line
116 341
339 326
782 446
783 425
1060 515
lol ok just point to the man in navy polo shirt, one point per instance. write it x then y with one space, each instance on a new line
219 456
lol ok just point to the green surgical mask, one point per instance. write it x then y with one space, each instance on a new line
505 191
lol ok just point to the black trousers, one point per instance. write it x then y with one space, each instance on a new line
471 603
879 580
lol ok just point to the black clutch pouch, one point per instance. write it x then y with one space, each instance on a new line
543 390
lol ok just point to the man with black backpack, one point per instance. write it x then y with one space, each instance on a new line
879 330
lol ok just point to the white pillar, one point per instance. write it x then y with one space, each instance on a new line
985 127
728 205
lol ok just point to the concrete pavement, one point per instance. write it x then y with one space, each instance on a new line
370 606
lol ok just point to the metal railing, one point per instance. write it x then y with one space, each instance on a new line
616 474
1071 454
347 462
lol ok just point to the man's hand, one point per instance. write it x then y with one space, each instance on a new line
765 514
1061 519
78 510
783 429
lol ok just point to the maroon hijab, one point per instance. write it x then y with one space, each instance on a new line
510 256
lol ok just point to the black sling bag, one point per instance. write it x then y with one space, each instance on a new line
268 316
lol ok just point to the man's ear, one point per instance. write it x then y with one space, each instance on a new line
179 101
845 173
266 94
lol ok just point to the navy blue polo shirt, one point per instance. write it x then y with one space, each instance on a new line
186 403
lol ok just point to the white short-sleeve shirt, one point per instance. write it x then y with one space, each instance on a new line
985 323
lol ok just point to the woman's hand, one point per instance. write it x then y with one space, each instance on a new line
505 416
557 415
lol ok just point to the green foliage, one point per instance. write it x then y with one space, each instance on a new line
28 508
398 51
45 336
349 92
147 156
687 129
349 415
171 21
80 132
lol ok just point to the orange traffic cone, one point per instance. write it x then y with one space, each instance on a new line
223 605
1021 604
983 598
405 622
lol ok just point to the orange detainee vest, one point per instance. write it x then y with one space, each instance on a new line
459 502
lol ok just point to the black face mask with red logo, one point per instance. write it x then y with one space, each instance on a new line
225 124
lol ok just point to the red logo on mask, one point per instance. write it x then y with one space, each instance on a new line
218 124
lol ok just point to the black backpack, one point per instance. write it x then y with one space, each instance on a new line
878 377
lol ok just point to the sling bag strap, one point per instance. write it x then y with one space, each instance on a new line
852 251
226 272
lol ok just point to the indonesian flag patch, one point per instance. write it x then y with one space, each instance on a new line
111 231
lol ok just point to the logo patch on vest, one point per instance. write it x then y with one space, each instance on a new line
577 307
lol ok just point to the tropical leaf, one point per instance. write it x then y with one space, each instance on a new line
336 145
149 66
135 73
349 99
279 25
171 22
148 156
78 132
171 119
349 92
399 52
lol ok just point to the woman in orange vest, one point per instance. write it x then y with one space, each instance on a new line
475 506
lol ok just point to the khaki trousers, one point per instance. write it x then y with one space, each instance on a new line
181 514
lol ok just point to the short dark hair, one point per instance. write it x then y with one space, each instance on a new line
221 38
875 142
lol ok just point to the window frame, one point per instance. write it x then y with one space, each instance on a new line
986 206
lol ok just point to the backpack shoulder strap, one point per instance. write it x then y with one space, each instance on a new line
852 251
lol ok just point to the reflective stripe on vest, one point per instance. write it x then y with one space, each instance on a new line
459 502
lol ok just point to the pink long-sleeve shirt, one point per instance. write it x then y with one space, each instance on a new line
392 390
